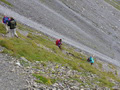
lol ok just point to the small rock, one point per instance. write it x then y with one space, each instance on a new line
23 58
31 71
13 70
81 89
42 88
115 88
55 84
37 62
35 85
27 82
18 63
75 88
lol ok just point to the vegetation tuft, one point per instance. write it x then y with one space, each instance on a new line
114 3
6 2
2 29
44 80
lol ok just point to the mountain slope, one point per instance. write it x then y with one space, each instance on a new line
94 24
39 64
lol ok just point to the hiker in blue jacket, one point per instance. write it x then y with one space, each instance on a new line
5 20
91 60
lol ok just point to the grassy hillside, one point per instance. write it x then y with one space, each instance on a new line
39 47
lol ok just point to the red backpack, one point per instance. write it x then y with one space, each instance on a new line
57 41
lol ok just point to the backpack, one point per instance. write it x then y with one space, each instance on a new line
12 24
57 42
6 19
91 59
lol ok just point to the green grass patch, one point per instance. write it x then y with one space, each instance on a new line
99 65
7 51
114 3
24 63
2 29
104 82
111 66
6 2
27 48
24 28
44 80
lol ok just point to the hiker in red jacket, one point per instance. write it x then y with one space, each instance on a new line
59 43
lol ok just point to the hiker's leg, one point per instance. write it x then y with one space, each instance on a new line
15 34
59 45
12 32
7 28
91 63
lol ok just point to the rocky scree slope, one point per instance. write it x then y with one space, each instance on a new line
24 75
43 70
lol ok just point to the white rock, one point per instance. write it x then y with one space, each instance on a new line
18 63
35 85
75 87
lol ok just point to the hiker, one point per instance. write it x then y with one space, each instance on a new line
91 60
5 20
12 25
59 43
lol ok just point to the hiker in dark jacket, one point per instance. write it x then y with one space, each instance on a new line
12 25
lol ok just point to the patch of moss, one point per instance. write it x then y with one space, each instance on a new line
2 29
24 63
114 3
6 2
44 80
99 65
104 82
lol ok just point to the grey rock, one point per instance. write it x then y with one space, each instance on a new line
35 85
18 63
75 88
23 58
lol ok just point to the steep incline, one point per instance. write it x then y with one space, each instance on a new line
94 24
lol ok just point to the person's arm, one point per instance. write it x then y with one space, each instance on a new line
3 20
8 23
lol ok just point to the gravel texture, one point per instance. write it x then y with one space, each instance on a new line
11 77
